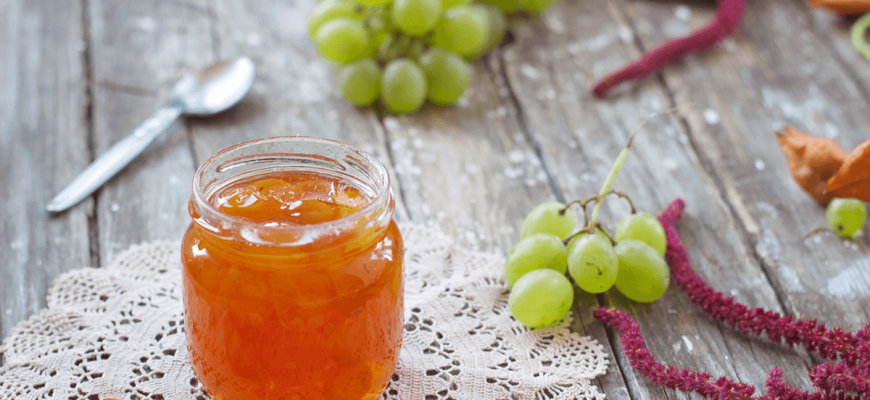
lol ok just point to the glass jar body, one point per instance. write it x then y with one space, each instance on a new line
305 312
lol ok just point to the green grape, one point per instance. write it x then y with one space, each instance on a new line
342 40
447 76
576 239
416 17
360 82
462 29
846 216
535 252
507 6
643 274
537 6
445 4
329 10
540 298
593 264
545 218
497 28
403 86
645 228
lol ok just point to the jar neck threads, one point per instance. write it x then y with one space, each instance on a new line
274 156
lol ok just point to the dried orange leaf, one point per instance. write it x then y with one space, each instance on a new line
853 178
844 7
812 161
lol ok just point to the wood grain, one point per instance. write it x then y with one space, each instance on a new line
527 132
772 74
140 49
471 171
43 144
833 32
550 68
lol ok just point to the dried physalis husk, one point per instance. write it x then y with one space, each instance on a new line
812 161
853 178
850 8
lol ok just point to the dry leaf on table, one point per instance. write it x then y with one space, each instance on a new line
812 161
849 8
853 178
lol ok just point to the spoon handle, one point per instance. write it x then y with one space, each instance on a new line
115 159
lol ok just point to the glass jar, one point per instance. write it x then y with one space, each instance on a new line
292 272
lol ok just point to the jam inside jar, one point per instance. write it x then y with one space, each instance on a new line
292 272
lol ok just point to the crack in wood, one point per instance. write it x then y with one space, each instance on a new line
722 193
766 268
213 30
188 135
830 47
521 121
88 71
400 196
557 191
124 88
709 170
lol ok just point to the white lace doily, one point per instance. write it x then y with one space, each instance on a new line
117 332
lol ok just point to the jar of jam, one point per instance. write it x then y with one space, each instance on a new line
292 272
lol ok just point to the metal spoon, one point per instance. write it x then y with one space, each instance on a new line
208 91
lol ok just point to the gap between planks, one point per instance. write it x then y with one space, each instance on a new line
88 71
555 188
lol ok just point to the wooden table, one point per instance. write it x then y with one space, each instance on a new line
77 76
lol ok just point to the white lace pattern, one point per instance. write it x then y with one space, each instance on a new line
117 332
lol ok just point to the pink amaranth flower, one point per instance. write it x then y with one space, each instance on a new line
850 375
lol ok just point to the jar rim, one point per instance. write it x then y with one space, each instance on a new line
209 213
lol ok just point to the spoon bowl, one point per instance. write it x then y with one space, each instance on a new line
215 88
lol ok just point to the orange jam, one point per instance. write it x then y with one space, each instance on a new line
293 285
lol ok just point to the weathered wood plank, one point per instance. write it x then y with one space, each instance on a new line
140 49
474 170
550 68
43 142
833 32
471 170
776 71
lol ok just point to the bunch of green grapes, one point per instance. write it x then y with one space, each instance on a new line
407 51
632 260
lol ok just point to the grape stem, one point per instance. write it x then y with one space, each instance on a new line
582 203
626 198
611 177
398 45
815 231
596 199
608 183
583 231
